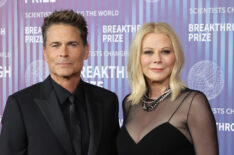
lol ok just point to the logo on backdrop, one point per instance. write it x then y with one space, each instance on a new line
5 71
40 1
2 31
33 34
37 71
207 77
2 2
102 13
115 33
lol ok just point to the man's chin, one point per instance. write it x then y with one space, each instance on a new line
66 75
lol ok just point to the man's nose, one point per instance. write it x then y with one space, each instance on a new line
64 51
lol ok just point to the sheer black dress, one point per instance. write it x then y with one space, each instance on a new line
185 126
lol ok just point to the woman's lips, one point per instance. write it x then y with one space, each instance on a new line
156 69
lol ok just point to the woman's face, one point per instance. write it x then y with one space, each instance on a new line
157 57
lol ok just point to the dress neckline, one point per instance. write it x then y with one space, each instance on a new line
154 130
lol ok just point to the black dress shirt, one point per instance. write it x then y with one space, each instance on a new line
62 96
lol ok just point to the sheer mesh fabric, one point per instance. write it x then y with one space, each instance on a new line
190 113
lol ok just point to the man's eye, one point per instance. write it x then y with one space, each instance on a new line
54 45
73 44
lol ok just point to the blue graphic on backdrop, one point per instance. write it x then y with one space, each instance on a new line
207 77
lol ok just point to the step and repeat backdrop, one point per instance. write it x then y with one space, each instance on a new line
205 28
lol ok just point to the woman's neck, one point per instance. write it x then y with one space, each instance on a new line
157 89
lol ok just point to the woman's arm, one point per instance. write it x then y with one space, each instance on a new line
202 126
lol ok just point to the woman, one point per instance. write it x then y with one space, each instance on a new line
161 115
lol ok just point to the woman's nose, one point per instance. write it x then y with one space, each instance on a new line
156 58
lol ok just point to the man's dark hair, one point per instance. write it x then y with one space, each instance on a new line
66 17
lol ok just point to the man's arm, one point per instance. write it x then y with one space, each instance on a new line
13 136
115 123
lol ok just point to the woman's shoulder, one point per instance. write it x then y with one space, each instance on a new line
125 99
126 103
195 98
193 93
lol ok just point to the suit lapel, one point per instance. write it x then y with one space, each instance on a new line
95 119
50 109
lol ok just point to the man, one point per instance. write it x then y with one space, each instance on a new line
62 115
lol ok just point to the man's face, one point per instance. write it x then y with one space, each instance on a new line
64 51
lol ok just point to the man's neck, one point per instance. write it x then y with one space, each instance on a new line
69 83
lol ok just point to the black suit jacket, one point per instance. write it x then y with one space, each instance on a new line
33 122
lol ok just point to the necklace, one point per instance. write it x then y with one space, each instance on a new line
154 102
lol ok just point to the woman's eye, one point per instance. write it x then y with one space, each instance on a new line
148 52
166 51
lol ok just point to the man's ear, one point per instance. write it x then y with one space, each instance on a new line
45 53
86 54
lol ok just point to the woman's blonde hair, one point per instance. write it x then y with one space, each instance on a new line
136 77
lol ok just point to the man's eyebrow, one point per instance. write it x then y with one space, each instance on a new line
74 42
54 42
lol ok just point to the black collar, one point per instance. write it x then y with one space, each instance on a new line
63 94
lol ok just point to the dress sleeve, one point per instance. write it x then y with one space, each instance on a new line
125 107
202 126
